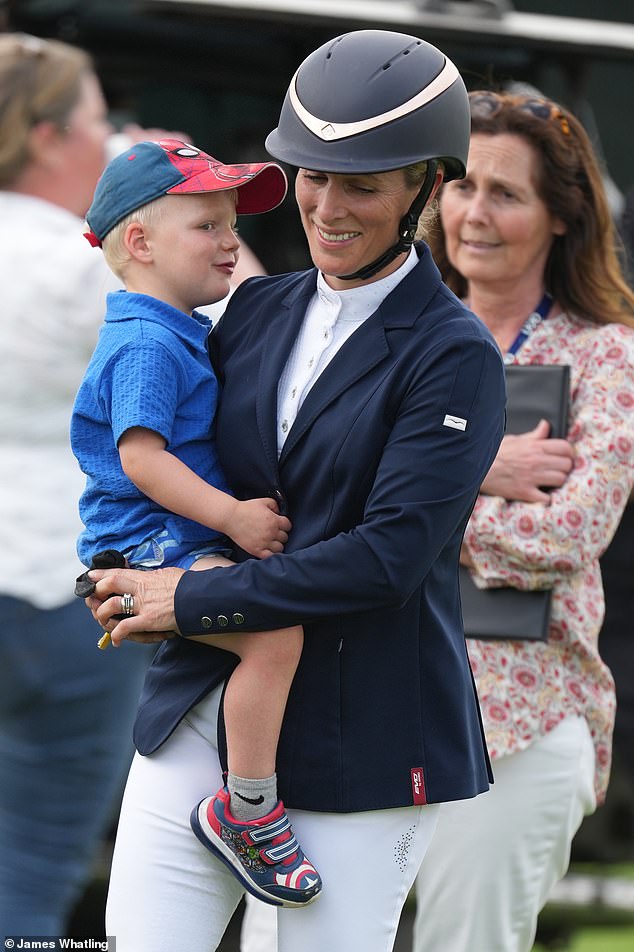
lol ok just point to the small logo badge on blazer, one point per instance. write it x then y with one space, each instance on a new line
418 785
455 422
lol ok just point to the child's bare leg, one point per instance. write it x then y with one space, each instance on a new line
254 702
255 698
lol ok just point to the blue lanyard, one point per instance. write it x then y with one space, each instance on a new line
530 324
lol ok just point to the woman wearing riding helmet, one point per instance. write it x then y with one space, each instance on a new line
368 401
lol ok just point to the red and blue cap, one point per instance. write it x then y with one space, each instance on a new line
150 170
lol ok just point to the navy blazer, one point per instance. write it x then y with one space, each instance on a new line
379 474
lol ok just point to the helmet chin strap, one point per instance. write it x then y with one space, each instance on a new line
406 229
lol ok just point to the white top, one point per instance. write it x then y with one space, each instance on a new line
331 317
53 287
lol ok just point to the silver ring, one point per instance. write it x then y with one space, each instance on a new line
127 604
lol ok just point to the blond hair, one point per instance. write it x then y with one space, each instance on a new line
415 175
114 250
40 81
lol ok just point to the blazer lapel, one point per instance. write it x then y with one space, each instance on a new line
363 350
368 345
279 338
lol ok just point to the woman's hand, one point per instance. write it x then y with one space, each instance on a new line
527 463
153 616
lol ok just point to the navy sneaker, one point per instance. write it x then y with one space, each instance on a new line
263 854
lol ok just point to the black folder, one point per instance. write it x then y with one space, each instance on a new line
534 392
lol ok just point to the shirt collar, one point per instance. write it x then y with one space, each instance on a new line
358 303
128 305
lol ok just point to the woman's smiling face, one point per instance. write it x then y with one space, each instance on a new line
350 220
497 228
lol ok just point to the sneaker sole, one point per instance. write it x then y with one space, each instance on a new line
206 834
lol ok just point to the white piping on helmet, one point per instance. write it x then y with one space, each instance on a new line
330 131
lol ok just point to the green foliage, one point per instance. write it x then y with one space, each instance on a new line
597 940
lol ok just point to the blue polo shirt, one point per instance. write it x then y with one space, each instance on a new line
151 369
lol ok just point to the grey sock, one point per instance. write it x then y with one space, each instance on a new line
251 799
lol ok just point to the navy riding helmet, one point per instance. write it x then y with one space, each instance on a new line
372 101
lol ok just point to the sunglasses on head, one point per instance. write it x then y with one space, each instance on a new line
485 105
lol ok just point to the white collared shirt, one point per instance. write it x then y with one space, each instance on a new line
331 317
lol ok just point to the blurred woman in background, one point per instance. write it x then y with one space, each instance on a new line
527 240
65 708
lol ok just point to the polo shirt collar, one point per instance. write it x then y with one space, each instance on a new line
128 305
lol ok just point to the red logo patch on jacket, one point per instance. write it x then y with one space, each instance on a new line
418 785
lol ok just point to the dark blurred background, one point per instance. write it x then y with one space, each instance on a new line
220 70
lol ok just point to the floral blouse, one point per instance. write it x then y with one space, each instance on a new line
527 688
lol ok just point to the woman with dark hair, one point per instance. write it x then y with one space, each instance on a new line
526 238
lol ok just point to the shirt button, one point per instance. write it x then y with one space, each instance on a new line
284 426
238 618
206 622
222 620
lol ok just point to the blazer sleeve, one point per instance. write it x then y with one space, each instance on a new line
423 492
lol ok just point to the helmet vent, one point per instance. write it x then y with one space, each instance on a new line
403 52
335 42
